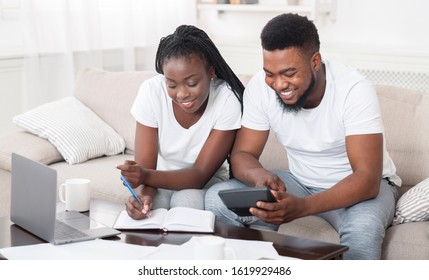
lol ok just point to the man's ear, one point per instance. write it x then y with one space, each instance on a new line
316 61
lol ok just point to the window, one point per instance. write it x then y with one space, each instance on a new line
11 43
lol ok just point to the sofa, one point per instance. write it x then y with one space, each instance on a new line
109 95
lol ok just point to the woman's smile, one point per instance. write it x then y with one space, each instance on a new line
187 104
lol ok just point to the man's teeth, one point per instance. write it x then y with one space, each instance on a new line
186 103
286 92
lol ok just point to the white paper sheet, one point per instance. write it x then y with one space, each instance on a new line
87 250
113 250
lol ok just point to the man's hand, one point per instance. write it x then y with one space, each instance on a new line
286 209
263 177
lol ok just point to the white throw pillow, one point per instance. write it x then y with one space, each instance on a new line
413 206
76 131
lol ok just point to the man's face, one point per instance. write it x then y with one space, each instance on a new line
288 72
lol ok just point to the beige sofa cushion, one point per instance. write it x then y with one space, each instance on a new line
405 118
4 193
28 145
110 95
105 178
73 128
407 242
311 227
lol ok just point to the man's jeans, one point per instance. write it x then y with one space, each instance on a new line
361 226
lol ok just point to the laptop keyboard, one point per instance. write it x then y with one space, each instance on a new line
65 232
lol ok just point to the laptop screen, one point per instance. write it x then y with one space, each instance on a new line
33 197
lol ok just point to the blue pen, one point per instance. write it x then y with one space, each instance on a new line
131 189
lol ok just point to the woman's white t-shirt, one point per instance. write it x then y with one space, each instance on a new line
179 147
315 138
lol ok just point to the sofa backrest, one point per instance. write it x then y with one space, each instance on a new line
110 95
405 116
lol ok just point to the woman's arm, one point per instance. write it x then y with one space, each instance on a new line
214 152
212 155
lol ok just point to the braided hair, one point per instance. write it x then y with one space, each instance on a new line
187 40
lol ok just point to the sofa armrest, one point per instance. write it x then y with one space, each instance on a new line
28 145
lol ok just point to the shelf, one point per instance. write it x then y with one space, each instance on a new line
313 9
253 8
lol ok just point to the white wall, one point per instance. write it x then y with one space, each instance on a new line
10 92
391 33
388 25
388 35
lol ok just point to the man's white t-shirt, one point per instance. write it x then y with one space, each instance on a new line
315 138
179 147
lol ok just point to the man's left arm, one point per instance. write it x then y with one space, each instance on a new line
365 153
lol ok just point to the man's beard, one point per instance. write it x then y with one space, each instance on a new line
295 108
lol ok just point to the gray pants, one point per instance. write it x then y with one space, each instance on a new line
192 198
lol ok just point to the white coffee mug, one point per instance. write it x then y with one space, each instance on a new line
75 193
212 248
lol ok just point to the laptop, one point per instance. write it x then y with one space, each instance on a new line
34 201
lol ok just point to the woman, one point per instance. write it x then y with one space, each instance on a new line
187 119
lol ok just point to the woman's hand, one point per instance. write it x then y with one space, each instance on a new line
133 172
139 211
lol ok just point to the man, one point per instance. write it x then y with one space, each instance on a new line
327 117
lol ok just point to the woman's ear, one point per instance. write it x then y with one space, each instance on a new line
212 73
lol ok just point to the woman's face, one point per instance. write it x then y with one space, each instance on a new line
188 82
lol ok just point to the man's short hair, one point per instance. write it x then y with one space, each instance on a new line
290 30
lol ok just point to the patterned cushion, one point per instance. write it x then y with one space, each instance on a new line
76 131
413 206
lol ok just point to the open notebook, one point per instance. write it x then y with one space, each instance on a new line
176 219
